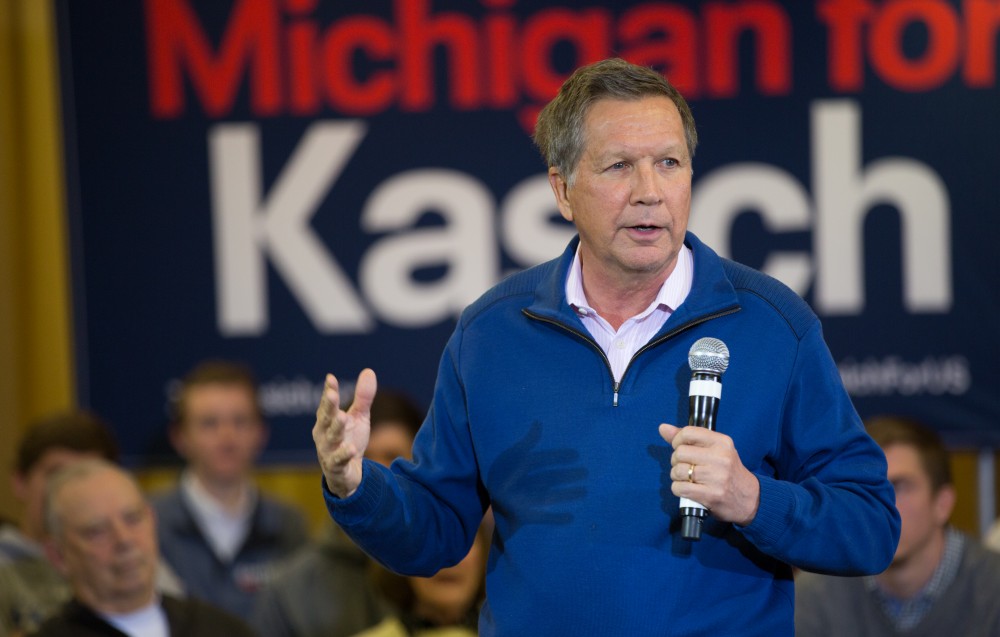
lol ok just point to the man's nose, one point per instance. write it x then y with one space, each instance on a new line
122 532
645 186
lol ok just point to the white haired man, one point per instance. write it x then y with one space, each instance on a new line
102 537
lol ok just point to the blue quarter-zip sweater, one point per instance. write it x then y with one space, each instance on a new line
526 417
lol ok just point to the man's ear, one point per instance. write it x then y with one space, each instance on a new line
263 437
19 486
944 503
151 512
560 186
54 552
175 431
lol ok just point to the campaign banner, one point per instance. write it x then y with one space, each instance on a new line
311 187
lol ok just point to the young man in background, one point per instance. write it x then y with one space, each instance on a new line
219 533
940 581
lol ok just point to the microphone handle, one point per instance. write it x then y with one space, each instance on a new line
703 405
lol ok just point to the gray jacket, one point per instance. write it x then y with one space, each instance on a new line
829 606
276 530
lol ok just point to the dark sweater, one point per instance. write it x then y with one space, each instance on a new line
186 617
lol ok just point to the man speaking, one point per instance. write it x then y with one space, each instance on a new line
552 388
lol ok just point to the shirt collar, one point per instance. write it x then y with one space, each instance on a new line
207 507
906 613
671 294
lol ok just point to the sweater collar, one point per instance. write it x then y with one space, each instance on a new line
711 291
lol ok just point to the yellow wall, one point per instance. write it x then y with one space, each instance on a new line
965 473
299 486
36 366
35 352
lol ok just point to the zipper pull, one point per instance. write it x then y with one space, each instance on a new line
615 401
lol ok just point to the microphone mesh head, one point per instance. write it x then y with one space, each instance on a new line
709 355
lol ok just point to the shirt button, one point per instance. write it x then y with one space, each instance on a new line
620 344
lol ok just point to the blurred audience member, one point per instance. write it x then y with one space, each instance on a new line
31 589
219 533
443 605
102 537
324 590
940 582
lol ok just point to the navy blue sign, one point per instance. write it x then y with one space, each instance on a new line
314 186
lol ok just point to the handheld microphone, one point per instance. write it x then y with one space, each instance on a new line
709 359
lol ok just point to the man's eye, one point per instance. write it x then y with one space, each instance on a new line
244 422
92 532
618 165
671 163
902 485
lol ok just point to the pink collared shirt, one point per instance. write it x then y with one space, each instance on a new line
622 345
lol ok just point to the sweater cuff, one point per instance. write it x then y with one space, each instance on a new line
360 505
773 514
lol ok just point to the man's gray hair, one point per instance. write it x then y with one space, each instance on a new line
559 130
72 473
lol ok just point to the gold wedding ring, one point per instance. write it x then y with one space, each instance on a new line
691 473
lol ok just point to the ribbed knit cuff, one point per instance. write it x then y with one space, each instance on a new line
773 514
363 503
